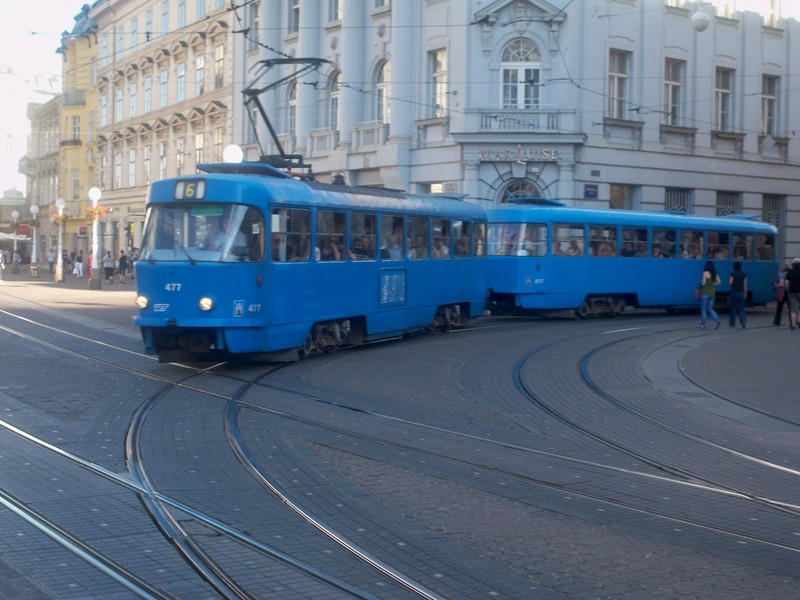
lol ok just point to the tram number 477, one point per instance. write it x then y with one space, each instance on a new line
173 287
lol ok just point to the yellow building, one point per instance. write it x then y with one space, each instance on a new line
77 124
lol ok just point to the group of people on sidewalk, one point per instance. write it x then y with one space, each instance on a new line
16 260
75 263
787 293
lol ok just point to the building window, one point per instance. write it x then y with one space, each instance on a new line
181 14
201 9
678 200
165 17
162 160
148 27
120 44
132 100
438 75
383 92
520 68
769 100
134 34
104 51
118 105
255 23
291 119
199 148
163 80
620 197
76 184
200 74
218 144
520 188
729 203
132 167
674 72
76 127
90 131
219 66
618 72
103 110
723 90
146 164
117 170
333 102
148 93
773 211
180 155
334 10
294 16
181 85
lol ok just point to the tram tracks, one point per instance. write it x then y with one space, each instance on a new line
161 507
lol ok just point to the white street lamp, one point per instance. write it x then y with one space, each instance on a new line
60 256
95 280
35 250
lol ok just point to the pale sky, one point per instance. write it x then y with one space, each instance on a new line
30 33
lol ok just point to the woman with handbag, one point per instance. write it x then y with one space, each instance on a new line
708 282
780 295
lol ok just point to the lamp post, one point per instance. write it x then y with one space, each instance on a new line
95 280
35 250
14 263
60 251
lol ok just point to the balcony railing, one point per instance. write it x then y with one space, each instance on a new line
531 119
323 141
370 134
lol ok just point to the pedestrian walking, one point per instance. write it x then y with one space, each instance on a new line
108 267
738 295
16 261
781 299
51 261
793 292
708 283
122 266
78 270
2 266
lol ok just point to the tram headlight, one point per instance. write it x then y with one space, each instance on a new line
206 304
142 302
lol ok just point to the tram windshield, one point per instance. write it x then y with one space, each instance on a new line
203 233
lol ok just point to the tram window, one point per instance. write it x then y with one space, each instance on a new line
603 241
663 243
692 245
634 242
291 235
461 239
418 246
392 236
362 236
330 236
718 245
569 239
742 246
765 247
441 238
479 242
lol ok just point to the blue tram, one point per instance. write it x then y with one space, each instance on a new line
244 259
546 257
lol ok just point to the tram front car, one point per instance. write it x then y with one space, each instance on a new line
198 279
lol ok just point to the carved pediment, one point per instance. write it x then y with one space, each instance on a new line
523 16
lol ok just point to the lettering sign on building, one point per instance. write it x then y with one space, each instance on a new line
520 154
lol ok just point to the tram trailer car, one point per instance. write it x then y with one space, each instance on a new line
544 257
247 261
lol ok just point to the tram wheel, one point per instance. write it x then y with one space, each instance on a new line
619 306
584 310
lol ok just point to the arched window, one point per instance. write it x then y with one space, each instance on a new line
333 101
520 70
520 188
383 92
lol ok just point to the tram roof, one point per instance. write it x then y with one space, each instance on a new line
529 213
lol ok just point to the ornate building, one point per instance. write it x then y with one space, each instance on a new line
642 104
163 75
